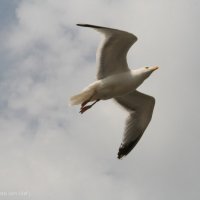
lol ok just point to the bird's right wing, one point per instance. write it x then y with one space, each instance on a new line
140 107
111 55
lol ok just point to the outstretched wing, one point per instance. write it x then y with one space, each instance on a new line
111 55
140 107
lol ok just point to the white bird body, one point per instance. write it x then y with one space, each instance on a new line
118 85
116 80
113 86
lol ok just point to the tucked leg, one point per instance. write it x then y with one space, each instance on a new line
84 103
84 108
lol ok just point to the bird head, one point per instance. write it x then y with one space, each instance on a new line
148 70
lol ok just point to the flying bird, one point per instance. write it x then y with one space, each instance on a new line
116 80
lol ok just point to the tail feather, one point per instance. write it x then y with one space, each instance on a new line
80 98
85 95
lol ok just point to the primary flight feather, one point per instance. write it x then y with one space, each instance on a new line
116 80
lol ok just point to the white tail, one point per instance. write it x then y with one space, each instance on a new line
85 95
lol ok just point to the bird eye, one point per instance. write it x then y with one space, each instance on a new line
146 67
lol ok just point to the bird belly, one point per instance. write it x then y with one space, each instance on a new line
117 85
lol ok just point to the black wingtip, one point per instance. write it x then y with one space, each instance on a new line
126 149
120 156
80 24
89 25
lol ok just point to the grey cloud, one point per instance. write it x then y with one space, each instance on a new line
48 149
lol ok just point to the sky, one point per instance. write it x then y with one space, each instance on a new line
48 150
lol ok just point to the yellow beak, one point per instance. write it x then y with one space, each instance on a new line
154 68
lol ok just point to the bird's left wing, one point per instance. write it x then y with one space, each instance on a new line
111 55
140 107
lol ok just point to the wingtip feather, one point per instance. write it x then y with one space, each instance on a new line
120 157
88 25
79 24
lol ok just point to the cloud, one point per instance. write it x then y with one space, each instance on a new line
51 151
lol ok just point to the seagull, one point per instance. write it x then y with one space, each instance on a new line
116 80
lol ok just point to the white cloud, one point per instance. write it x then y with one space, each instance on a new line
50 150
